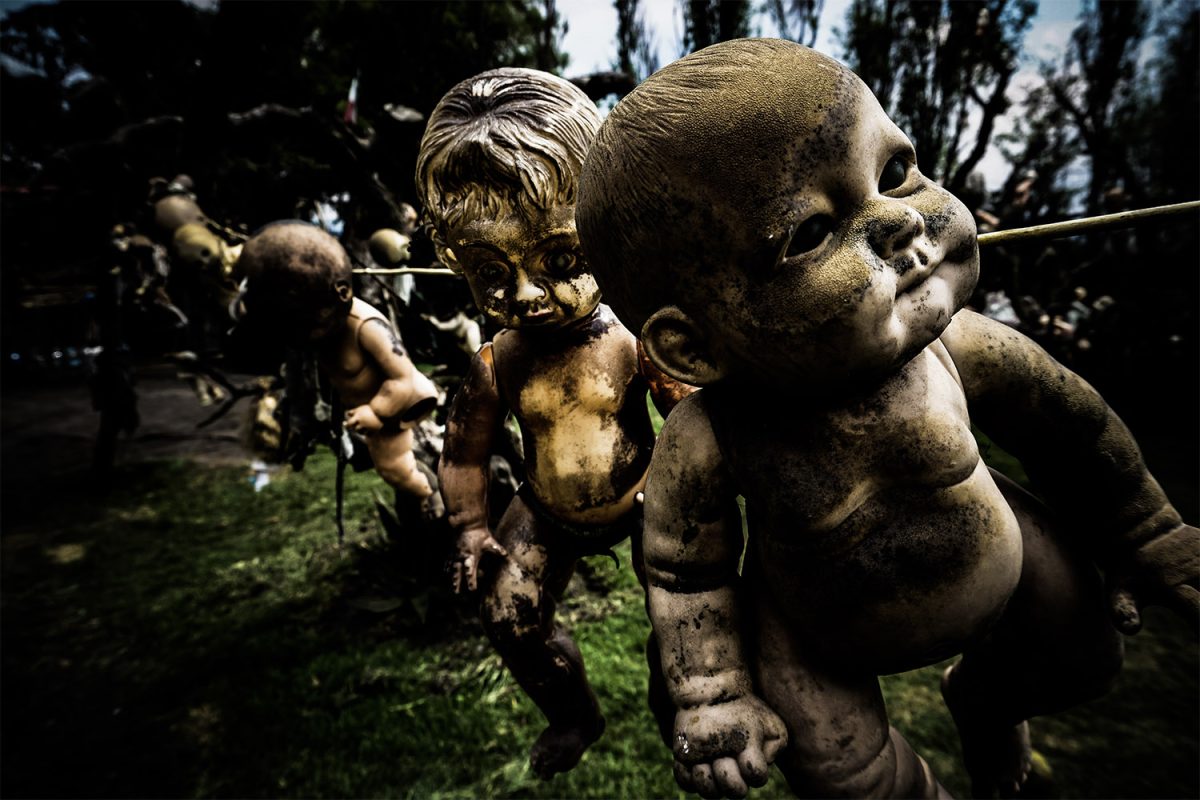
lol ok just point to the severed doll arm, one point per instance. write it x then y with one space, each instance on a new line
475 416
725 736
1083 461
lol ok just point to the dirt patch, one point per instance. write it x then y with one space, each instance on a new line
49 430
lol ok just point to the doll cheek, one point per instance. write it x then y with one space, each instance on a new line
842 287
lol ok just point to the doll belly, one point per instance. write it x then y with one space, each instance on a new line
926 575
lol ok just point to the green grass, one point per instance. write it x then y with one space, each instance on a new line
183 636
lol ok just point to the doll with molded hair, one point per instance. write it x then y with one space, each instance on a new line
497 173
753 213
299 288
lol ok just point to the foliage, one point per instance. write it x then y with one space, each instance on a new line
796 19
185 636
1127 123
84 81
707 22
933 64
636 53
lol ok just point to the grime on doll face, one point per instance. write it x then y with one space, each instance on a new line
526 273
852 260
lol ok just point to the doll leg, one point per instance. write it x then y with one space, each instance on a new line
1053 648
396 464
839 741
518 615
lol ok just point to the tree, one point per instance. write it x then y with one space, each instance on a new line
84 81
707 22
941 70
1096 87
796 19
636 54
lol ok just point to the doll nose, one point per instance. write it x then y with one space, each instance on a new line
527 290
894 227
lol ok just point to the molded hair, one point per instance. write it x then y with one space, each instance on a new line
504 137
653 175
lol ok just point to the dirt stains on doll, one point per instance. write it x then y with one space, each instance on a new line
818 304
497 172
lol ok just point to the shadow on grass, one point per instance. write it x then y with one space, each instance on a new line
184 636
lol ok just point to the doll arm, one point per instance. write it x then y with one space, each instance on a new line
448 325
1083 460
475 415
725 736
404 396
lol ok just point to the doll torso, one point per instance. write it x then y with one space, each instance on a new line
355 376
876 525
581 403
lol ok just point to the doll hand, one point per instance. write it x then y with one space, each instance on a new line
363 420
1164 571
473 545
721 750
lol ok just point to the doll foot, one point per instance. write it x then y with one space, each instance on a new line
998 758
559 749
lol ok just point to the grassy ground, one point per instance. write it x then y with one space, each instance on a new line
183 636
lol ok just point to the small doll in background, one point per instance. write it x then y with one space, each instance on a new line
298 289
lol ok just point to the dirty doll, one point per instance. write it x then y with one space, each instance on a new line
298 287
497 172
755 215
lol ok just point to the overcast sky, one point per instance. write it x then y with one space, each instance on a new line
591 44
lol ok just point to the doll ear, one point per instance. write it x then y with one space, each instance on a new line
680 348
343 290
444 254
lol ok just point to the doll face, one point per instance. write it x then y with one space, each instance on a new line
526 273
852 261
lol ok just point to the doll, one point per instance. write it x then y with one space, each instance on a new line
752 212
497 173
298 288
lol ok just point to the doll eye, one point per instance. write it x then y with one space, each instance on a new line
894 174
492 271
561 262
809 235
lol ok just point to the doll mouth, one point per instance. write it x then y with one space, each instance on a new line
537 316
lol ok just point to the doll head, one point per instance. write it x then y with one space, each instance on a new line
199 250
497 172
298 281
787 233
389 247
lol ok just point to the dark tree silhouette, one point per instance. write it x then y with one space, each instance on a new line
941 70
707 22
636 55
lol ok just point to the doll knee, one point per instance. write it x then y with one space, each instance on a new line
512 622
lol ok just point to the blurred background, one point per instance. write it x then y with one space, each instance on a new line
177 622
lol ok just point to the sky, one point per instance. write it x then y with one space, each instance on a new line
591 45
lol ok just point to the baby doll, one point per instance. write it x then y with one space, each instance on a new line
752 211
298 287
497 172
